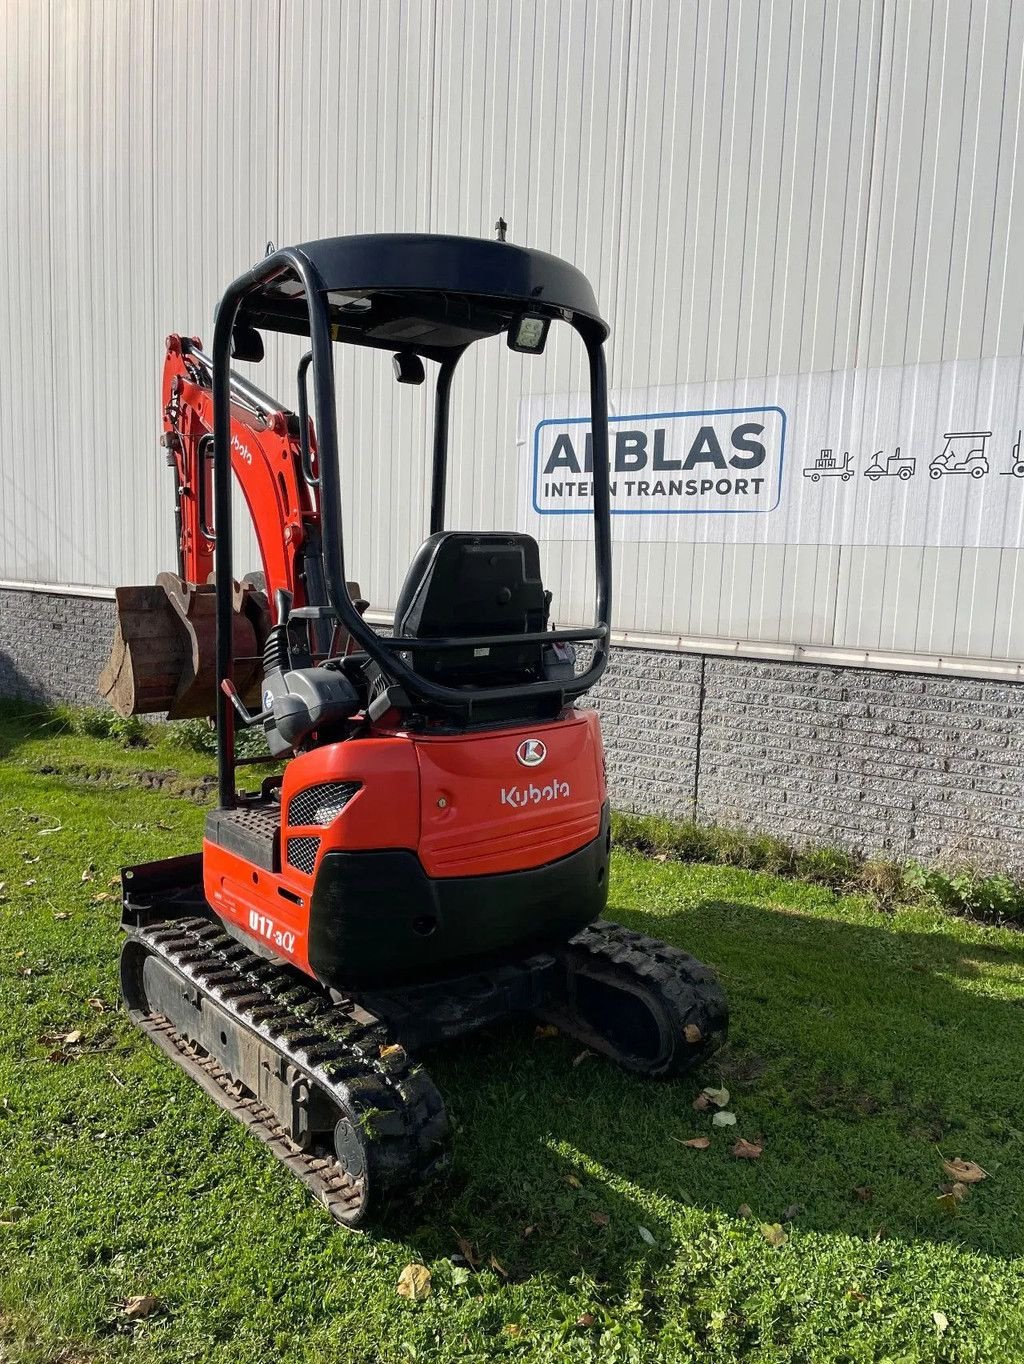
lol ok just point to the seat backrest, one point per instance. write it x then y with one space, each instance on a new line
474 583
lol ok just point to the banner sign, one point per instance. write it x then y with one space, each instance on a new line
672 463
914 455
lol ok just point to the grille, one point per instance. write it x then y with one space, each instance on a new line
321 804
302 854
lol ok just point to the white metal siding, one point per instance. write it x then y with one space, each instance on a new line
755 188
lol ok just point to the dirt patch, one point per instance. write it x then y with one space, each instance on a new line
201 790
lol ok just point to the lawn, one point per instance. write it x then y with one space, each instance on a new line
865 1048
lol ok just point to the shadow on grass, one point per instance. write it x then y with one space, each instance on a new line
20 720
859 1055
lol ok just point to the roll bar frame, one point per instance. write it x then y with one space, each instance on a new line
386 651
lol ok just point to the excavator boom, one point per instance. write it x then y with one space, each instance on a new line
162 658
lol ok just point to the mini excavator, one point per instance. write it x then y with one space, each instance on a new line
431 854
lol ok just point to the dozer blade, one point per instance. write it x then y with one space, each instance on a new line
163 657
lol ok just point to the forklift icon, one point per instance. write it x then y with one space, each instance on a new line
963 453
896 466
825 466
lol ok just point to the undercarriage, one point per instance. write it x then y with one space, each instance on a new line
328 1082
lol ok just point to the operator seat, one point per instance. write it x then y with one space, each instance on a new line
475 583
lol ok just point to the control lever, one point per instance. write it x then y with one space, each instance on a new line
244 713
283 604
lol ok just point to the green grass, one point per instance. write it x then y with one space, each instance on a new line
865 1046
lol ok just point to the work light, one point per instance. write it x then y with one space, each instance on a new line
529 334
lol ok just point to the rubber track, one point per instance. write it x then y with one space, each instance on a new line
686 991
390 1100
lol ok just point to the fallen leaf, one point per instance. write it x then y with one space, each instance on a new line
600 1219
103 895
392 1049
69 1039
773 1233
855 1295
693 1034
744 1210
498 1267
792 1212
573 1182
414 1283
585 1319
964 1171
701 1103
27 857
696 1143
743 1149
528 1231
466 1251
30 882
951 1195
141 1306
645 1235
941 1322
578 1060
718 1097
543 1030
864 1193
97 1005
724 1119
61 915
512 1329
88 874
3 887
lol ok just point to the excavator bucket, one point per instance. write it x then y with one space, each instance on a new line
163 658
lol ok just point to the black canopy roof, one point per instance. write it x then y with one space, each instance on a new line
421 292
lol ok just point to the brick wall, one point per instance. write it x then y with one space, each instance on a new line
899 764
53 647
879 762
650 718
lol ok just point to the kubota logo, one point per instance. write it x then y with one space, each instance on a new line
531 752
243 450
522 796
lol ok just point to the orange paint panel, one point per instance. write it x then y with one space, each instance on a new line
486 810
385 812
250 898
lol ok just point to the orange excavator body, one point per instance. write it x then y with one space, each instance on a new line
430 851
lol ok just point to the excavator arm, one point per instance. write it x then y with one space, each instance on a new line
163 653
267 461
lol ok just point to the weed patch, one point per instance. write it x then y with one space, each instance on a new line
959 889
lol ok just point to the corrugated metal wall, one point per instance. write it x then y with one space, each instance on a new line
755 187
